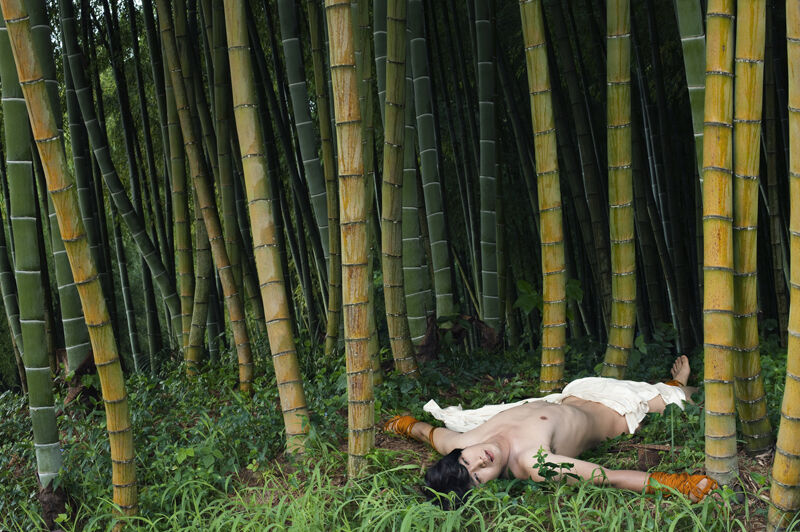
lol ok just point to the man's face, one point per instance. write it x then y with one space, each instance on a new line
484 461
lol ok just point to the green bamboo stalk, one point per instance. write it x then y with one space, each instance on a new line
81 160
135 176
306 132
416 280
693 42
620 191
180 212
490 309
316 30
127 299
102 154
429 162
222 120
203 285
188 48
149 150
27 268
214 332
76 335
8 290
159 81
464 177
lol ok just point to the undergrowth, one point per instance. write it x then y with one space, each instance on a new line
210 459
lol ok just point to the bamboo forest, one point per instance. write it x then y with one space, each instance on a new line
257 230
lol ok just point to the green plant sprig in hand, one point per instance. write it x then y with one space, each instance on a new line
550 470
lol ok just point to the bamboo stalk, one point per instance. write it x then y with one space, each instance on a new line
28 268
102 154
317 30
785 486
718 298
206 202
392 205
490 295
180 212
429 162
262 216
416 277
620 191
62 190
355 256
751 401
554 269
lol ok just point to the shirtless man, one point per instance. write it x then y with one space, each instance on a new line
511 439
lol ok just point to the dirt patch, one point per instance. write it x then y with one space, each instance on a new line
394 442
53 503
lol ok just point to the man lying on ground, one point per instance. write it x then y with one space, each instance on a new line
499 439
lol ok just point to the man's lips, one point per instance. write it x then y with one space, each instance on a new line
491 456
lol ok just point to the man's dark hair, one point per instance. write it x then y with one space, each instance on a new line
445 476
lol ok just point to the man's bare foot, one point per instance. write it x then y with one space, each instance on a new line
681 370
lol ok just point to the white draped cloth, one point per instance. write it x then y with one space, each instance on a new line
627 398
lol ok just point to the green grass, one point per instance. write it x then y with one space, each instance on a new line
207 459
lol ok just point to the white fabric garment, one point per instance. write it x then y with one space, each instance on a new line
627 398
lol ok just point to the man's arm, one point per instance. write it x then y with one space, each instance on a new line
441 439
619 478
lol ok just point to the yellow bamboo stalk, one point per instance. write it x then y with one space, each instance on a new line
751 402
554 270
61 186
620 189
205 200
262 217
392 204
353 223
785 489
718 337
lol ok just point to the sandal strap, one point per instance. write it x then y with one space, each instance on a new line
674 382
401 425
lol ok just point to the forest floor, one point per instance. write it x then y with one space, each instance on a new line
209 459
